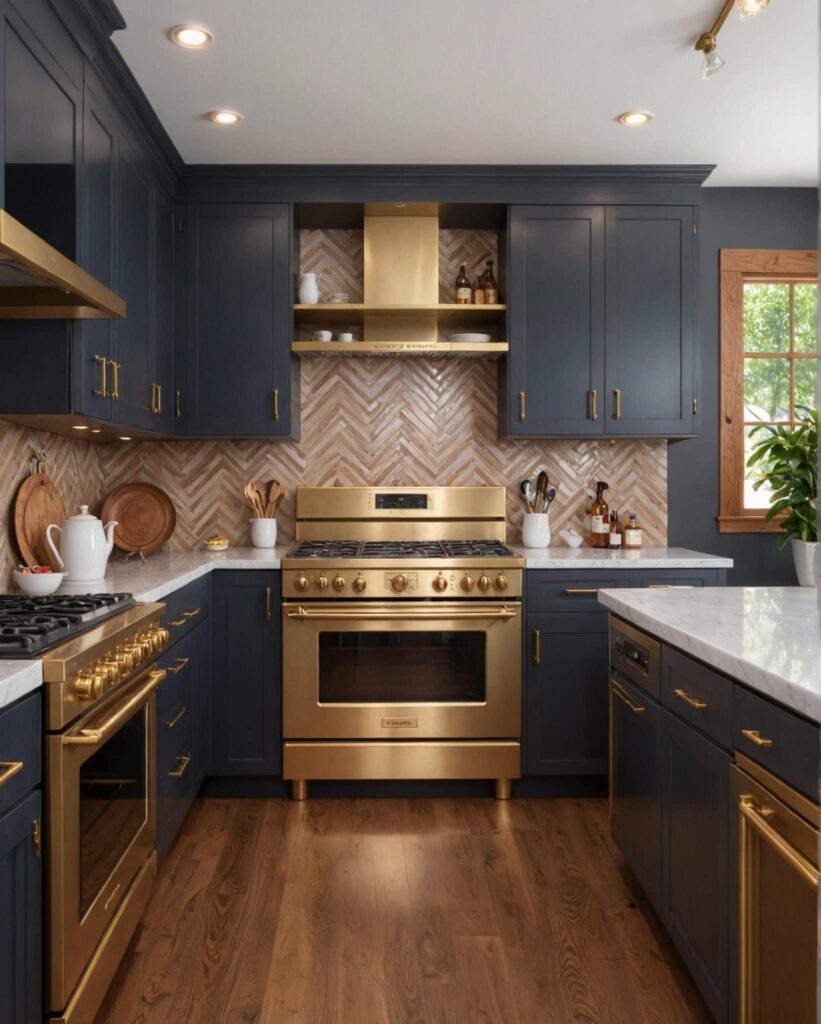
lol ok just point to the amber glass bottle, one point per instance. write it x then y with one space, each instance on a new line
632 533
464 293
491 288
615 530
600 518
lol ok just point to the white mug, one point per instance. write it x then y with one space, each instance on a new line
264 533
345 336
536 530
322 335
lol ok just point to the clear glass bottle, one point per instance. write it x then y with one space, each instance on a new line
632 533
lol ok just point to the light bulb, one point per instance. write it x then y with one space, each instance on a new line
635 118
225 117
749 8
712 63
191 37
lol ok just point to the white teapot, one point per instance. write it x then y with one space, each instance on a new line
84 546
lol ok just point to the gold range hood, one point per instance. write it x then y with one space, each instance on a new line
39 283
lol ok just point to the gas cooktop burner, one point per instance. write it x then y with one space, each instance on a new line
334 550
31 625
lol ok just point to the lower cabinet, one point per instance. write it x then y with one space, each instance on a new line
695 899
20 914
247 715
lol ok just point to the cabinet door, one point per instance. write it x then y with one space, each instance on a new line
695 856
566 694
636 783
247 733
649 326
20 914
162 310
238 321
134 262
555 319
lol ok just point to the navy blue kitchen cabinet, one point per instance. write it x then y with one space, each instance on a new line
556 320
565 703
247 722
600 321
234 367
163 296
695 857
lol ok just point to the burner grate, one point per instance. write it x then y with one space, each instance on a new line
476 549
403 549
31 625
332 549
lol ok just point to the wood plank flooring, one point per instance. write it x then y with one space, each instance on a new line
399 912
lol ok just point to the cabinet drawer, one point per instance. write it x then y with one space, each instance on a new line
178 686
186 607
697 694
20 743
783 742
547 593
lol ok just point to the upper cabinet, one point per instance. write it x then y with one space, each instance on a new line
234 360
601 321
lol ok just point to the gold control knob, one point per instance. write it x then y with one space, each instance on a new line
483 583
301 583
468 582
339 582
321 582
136 651
440 583
501 581
125 659
359 584
83 686
110 671
159 636
399 583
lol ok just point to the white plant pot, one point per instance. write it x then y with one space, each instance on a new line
264 533
536 530
804 555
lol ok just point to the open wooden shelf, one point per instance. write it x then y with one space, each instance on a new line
352 312
455 350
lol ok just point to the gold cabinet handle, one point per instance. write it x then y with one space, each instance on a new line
754 736
37 837
178 403
181 663
192 613
102 391
173 721
594 394
755 817
537 647
159 399
683 695
8 769
183 762
267 602
521 406
115 379
637 709
581 590
156 399
276 403
178 622
617 397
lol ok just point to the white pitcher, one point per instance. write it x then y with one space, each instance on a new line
84 546
308 290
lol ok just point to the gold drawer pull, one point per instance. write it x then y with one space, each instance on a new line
173 721
183 762
192 613
177 622
181 663
683 695
754 736
670 586
537 647
8 769
756 817
581 590
37 837
637 709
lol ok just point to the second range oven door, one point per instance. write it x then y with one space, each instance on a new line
401 670
101 825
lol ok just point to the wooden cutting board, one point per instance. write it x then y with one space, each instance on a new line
37 505
144 514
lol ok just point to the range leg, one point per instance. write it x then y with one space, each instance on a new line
503 789
299 789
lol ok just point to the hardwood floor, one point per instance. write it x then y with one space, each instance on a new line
399 911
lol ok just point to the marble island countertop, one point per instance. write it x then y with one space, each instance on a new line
597 558
768 638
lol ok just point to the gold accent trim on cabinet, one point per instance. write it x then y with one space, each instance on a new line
8 769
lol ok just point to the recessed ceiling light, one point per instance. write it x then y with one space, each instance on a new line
123 438
191 37
79 426
225 117
635 118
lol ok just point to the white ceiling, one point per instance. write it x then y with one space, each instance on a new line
486 81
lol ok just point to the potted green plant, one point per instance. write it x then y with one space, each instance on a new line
787 460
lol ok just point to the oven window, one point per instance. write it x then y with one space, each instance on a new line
402 667
113 806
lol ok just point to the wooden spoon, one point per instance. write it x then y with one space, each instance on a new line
542 483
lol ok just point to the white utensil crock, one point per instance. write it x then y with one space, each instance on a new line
264 533
308 290
536 530
804 555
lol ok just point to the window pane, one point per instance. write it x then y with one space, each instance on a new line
806 304
766 318
762 497
766 389
805 371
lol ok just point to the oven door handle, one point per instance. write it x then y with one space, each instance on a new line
423 615
94 737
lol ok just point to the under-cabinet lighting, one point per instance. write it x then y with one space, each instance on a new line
122 437
78 426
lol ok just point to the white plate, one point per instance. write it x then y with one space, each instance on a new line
469 339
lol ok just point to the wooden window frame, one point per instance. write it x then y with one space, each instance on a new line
737 267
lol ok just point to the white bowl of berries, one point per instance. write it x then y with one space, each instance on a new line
38 580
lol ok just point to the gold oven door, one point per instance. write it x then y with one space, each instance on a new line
101 825
401 670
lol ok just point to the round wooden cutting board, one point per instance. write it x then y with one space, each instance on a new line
144 514
37 505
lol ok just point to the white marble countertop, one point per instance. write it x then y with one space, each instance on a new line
17 678
766 637
642 558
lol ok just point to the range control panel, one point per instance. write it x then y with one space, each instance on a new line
351 582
